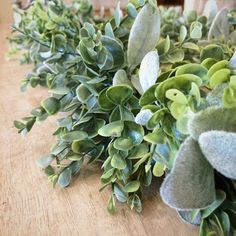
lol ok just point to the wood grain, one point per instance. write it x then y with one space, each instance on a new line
28 203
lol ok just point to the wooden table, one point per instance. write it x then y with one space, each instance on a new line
28 203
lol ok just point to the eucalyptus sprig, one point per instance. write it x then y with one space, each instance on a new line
129 87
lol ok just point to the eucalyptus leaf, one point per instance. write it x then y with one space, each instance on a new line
64 178
132 186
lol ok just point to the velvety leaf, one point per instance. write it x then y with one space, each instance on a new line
220 26
149 70
210 10
136 84
213 118
144 34
190 185
219 148
143 116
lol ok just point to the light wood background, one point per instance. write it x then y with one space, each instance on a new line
28 203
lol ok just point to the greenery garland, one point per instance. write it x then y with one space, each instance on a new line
148 92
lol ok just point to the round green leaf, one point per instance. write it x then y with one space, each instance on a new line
74 135
208 63
82 146
156 118
132 186
83 93
178 82
104 102
118 162
123 144
217 66
133 131
212 51
119 94
148 97
158 169
51 105
219 77
194 69
113 129
176 96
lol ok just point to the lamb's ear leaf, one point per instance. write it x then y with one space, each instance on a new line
190 185
220 25
210 10
212 118
219 147
144 34
143 117
149 70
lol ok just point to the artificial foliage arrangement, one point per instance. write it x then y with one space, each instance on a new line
147 92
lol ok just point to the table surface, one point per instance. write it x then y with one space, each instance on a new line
28 203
